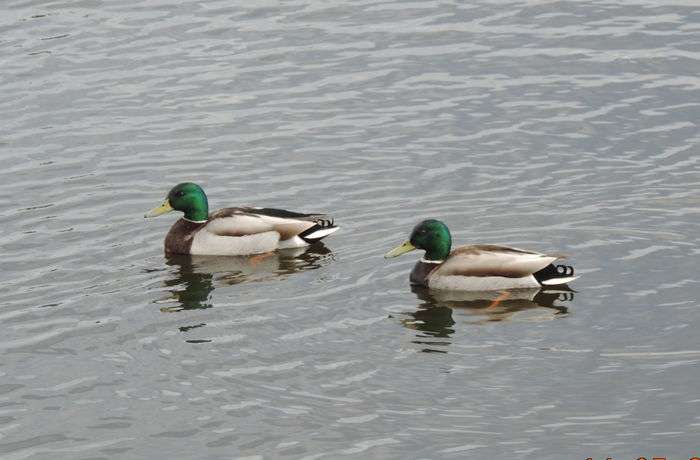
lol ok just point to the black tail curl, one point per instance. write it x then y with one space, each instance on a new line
320 224
552 271
324 223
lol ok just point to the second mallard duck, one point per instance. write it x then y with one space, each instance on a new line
482 267
235 231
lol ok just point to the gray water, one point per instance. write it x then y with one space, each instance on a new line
555 126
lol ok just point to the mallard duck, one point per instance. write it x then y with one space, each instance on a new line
480 267
235 231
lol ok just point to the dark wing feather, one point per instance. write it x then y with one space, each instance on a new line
254 220
271 212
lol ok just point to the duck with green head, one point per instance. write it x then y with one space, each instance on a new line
480 267
235 231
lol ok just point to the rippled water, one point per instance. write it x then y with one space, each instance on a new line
567 126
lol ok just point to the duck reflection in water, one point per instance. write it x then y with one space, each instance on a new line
194 277
434 318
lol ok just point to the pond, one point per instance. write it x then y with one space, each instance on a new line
553 126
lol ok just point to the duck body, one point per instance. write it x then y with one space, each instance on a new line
236 231
243 231
480 267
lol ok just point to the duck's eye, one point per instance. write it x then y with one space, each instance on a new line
179 193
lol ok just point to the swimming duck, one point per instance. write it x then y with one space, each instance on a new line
480 267
235 231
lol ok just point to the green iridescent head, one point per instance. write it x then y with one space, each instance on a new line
186 197
430 235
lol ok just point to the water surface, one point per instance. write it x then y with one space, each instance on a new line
563 126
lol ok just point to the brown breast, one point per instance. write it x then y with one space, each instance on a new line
420 272
179 238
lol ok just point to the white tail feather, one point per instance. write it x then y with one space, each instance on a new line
321 233
555 281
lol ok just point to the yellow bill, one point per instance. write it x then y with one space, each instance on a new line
162 209
397 251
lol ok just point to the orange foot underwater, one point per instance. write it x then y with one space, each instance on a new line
501 297
256 260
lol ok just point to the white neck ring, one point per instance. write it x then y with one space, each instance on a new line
194 221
